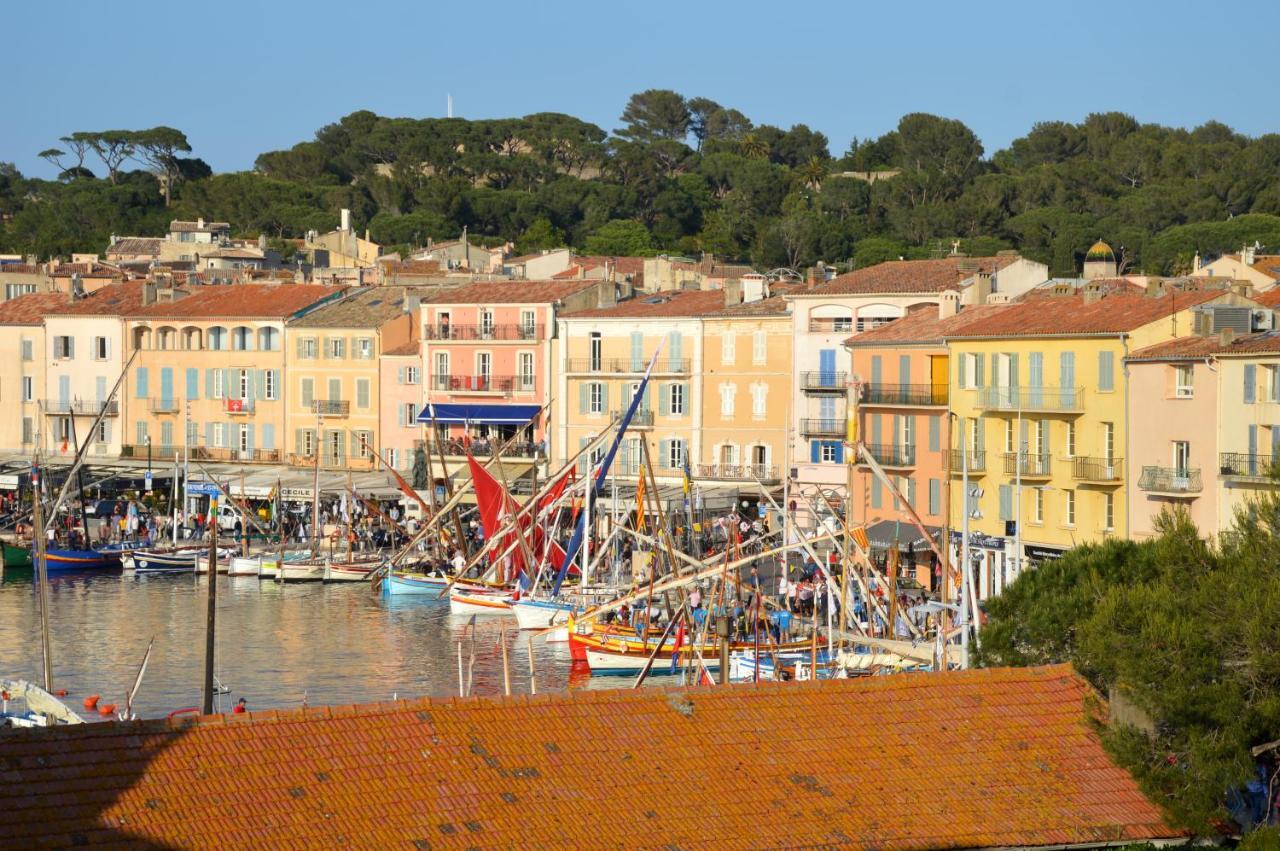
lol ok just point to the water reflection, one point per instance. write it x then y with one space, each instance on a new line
277 646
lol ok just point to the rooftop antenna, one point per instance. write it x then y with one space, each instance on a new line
449 98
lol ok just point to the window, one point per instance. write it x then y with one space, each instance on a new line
244 384
484 368
595 398
364 444
100 348
1271 375
827 452
1182 378
306 347
268 339
486 324
364 348
1181 458
907 436
1069 507
193 433
220 435
728 348
392 457
28 430
1071 439
972 368
677 400
595 351
524 371
217 338
308 444
1108 511
242 438
727 393
140 429
28 388
64 348
675 454
1106 371
845 324
409 414
528 325
308 392
241 339
1008 437
759 397
411 375
1037 505
269 384
103 435
28 350
219 384
442 370
760 347
869 323
1109 441
335 348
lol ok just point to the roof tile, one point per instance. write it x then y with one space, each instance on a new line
912 276
1111 313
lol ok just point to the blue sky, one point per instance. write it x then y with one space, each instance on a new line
241 78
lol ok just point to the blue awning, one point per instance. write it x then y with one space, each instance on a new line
486 414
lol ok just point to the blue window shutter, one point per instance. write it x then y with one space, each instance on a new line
249 426
962 372
935 434
584 396
604 397
193 383
875 430
664 399
637 350
815 451
208 383
140 382
876 370
877 498
208 434
268 436
839 450
904 369
166 383
979 371
827 365
1014 380
1106 371
1006 502
1275 444
1250 383
1067 370
935 496
1035 369
664 452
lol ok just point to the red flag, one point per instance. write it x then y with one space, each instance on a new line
495 506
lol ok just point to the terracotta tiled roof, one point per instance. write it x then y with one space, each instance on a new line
912 276
1182 348
675 303
369 307
20 269
407 349
136 245
412 267
1271 298
922 325
30 309
86 270
268 301
179 226
508 292
1267 264
775 305
120 299
998 757
1110 314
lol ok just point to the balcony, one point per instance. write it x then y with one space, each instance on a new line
823 427
890 455
1170 481
330 407
154 451
78 407
824 382
905 395
1101 470
642 419
832 325
1247 467
739 473
1048 400
485 332
238 406
1035 465
484 448
626 366
332 461
226 453
475 383
164 406
977 459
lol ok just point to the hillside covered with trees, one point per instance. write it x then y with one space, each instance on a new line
683 175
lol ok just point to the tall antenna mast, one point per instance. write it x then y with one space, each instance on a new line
449 98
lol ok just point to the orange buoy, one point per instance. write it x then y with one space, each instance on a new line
91 701
61 692
107 709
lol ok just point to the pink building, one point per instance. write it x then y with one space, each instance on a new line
486 352
400 401
1173 412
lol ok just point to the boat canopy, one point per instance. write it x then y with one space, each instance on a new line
485 414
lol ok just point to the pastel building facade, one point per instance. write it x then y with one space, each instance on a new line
400 379
23 360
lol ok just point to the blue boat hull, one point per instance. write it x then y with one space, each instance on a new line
397 585
65 561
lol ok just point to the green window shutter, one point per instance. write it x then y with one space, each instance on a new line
979 371
208 383
604 397
584 397
193 383
362 393
877 497
308 392
298 440
664 399
268 437
904 369
1006 502
935 497
637 351
1014 378
875 430
962 370
1106 371
399 375
1250 383
876 371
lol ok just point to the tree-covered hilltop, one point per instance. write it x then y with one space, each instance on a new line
685 175
1181 630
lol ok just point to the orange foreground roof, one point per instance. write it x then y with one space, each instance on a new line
1001 757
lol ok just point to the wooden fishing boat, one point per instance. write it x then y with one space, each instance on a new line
401 583
165 561
310 570
791 665
471 601
244 566
536 613
15 556
355 571
60 560
611 649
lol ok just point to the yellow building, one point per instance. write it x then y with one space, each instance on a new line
214 359
1039 395
601 358
746 393
333 376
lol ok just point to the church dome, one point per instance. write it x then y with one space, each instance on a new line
1100 251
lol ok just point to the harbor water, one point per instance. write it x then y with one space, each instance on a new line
277 646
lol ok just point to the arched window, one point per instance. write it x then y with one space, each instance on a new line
192 338
874 315
218 338
830 319
142 337
268 339
241 338
166 338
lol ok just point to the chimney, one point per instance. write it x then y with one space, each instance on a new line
981 287
948 304
1247 254
733 292
1092 295
366 235
1242 288
1226 336
200 224
148 293
1195 262
345 220
606 294
262 242
811 277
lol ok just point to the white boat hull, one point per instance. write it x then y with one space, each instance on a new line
241 566
348 572
479 604
540 614
301 572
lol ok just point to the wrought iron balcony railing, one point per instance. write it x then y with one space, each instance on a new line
904 394
1170 480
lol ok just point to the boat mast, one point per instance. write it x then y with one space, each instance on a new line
315 494
212 605
42 567
84 519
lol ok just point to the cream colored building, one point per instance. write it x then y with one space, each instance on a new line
23 365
